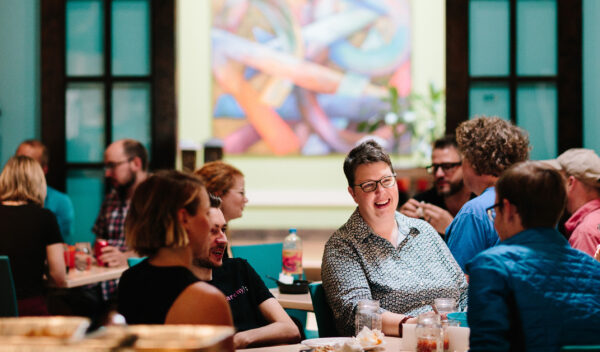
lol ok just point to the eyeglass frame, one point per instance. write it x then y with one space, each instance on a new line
112 166
432 169
376 183
491 212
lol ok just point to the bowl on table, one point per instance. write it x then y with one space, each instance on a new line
297 287
460 317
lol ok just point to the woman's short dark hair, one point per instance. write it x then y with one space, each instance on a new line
365 153
537 191
152 221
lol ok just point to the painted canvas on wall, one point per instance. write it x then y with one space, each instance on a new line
298 77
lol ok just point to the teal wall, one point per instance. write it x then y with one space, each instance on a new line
19 74
591 74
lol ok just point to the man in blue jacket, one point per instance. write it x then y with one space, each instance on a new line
532 292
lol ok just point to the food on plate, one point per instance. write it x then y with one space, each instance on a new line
367 337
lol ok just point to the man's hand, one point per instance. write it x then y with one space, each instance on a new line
113 256
437 217
412 208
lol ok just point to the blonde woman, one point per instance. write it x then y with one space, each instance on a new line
168 222
30 234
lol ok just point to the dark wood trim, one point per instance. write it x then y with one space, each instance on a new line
164 131
512 54
518 79
102 79
457 63
53 88
569 86
107 75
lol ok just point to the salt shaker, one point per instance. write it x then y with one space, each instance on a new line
367 314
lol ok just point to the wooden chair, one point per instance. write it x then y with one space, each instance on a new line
8 296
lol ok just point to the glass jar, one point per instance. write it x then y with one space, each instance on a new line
429 333
367 314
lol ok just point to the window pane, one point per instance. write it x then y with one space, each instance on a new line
537 114
536 37
591 72
131 112
86 190
490 99
85 37
489 34
85 122
130 35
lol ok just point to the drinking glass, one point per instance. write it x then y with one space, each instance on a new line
367 314
443 306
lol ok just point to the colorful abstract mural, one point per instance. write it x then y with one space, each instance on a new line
296 77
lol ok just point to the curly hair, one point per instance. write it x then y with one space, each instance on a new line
491 144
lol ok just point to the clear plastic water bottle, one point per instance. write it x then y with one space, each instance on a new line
292 255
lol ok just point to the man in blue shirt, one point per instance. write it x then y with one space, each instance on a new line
532 292
57 202
489 145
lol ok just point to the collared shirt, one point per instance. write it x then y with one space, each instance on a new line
584 227
110 225
472 231
359 264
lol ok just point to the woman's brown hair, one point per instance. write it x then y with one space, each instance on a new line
152 222
218 177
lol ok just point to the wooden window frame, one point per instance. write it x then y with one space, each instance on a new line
54 83
568 79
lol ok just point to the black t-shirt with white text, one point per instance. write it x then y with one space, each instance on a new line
244 291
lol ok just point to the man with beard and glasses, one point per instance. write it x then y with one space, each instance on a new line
257 316
441 203
126 166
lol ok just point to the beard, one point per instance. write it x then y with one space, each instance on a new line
123 189
204 263
455 187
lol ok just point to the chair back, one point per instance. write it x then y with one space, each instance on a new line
323 313
264 258
131 261
588 348
8 296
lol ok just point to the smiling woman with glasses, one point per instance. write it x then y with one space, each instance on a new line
385 181
381 254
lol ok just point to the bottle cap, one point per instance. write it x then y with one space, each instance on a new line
292 230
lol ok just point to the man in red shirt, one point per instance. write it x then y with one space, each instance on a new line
581 168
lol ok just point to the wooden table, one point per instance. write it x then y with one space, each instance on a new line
96 274
295 301
392 344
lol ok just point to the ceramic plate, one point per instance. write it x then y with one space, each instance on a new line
330 341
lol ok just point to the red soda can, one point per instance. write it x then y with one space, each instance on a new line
100 243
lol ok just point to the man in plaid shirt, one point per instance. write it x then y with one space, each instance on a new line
125 165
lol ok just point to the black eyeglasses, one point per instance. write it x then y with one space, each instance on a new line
371 186
432 169
491 211
113 165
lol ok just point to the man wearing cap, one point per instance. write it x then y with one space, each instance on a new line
581 168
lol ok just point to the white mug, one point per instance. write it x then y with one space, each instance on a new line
458 338
409 338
